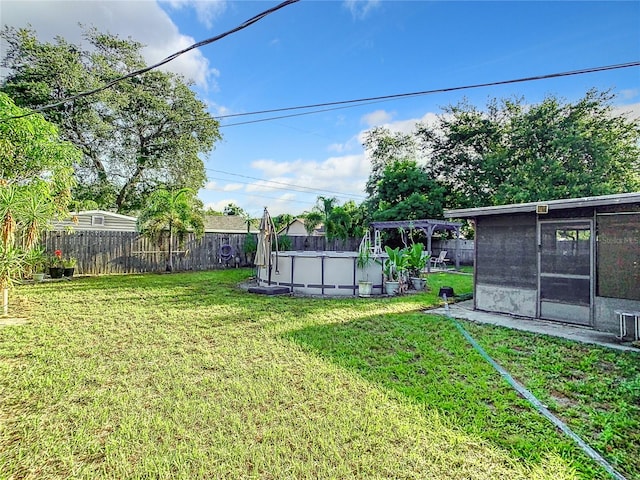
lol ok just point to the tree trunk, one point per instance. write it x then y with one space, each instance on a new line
5 301
170 259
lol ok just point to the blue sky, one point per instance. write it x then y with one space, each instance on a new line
323 51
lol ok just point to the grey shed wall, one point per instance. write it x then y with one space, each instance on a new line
506 264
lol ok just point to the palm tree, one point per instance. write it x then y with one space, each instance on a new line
283 221
35 213
174 211
336 220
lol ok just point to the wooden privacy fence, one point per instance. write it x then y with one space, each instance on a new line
465 250
130 252
105 252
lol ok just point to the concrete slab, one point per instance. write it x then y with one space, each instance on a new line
465 311
270 290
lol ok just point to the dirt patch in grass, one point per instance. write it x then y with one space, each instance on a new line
11 321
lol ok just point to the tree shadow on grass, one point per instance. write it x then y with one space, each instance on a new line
425 358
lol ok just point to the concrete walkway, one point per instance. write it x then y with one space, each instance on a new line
464 310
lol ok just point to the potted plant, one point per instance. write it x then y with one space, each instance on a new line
69 265
56 268
395 269
416 261
34 262
363 261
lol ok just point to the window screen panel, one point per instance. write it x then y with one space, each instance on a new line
618 256
507 251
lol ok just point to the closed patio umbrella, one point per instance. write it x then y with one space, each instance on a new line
265 238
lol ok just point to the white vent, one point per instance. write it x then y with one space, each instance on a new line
97 220
542 209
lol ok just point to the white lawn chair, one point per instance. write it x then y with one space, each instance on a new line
439 260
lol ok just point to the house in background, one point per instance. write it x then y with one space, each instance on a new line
296 228
230 224
574 261
97 220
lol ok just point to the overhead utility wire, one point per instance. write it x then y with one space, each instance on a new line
168 59
284 189
311 190
250 194
360 101
302 113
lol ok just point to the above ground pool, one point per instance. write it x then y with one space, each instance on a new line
320 273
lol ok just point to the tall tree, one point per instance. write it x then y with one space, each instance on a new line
407 191
327 212
383 147
512 152
173 213
359 222
233 209
36 177
141 134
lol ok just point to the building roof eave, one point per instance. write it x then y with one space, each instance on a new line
531 207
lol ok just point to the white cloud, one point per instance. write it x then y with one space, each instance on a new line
629 93
376 118
220 204
337 147
342 176
403 126
144 21
232 187
360 8
211 186
631 110
207 11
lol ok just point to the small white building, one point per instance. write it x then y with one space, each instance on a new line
296 228
97 220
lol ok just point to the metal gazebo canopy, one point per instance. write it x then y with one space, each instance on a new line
428 226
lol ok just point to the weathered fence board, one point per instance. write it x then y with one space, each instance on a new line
129 252
104 252
465 250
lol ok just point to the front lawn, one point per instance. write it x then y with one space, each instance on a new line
187 376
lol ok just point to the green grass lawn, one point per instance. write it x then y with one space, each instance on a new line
187 376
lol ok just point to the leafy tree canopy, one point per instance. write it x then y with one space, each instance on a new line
407 192
173 213
383 147
143 133
32 156
327 212
36 176
233 209
513 152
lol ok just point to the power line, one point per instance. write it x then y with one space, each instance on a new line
302 113
310 190
364 101
284 189
168 59
246 194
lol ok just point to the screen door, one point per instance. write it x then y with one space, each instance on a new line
565 267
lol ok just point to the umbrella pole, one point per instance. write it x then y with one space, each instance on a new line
269 278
